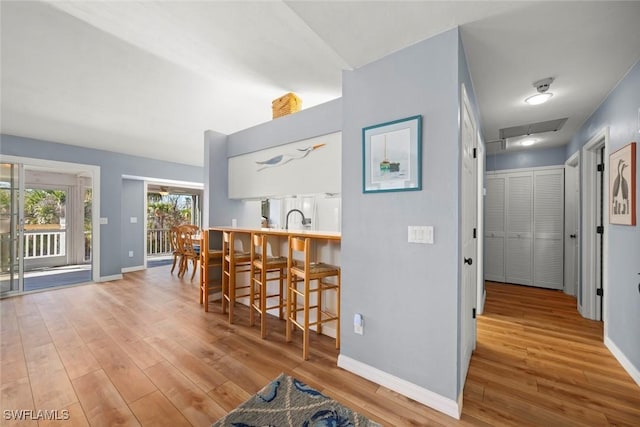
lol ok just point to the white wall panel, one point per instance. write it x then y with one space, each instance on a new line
290 169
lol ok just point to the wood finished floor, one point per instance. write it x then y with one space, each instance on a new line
140 351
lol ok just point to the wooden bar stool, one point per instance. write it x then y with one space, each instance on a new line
305 272
233 262
264 269
209 258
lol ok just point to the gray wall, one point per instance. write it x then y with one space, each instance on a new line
132 233
112 168
406 292
620 111
527 159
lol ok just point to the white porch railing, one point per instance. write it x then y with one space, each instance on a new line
158 241
44 244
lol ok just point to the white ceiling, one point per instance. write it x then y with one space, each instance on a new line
148 78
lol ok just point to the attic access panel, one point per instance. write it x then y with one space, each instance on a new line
531 128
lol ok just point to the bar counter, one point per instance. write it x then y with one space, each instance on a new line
316 234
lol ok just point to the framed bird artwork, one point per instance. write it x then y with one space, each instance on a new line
622 185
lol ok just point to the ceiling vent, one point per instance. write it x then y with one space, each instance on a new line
529 129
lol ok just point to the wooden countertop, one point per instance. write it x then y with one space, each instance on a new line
317 234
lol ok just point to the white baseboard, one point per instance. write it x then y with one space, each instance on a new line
134 268
626 363
420 394
110 278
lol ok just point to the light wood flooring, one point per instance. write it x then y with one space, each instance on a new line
141 351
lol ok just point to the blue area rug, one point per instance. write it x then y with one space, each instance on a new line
289 402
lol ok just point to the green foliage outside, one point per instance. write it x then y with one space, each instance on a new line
164 212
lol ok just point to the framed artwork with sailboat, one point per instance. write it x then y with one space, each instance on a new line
622 185
392 156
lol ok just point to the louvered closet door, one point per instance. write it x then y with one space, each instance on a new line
548 223
494 228
518 265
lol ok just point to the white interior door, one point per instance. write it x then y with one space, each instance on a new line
468 243
494 228
571 223
518 248
548 224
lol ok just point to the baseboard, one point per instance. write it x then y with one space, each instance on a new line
626 363
109 278
420 394
134 268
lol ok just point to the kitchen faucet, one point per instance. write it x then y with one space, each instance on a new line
305 221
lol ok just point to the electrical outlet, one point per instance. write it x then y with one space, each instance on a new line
130 254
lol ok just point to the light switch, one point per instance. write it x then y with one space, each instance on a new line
104 221
420 234
133 220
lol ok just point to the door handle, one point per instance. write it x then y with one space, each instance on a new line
573 236
468 261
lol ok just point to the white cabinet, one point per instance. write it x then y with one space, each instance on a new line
524 220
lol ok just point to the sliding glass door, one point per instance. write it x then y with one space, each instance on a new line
11 229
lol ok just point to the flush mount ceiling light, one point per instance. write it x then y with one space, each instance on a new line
527 142
542 96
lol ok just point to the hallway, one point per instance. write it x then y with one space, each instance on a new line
538 362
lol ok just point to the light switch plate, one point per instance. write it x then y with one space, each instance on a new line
133 220
104 221
420 234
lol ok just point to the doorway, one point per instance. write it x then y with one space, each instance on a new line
572 224
46 225
594 231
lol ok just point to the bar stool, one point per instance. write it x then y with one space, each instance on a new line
209 258
233 262
263 270
306 272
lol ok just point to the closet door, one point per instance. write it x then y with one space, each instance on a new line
519 236
548 223
494 228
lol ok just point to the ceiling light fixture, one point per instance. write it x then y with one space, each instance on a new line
542 96
528 142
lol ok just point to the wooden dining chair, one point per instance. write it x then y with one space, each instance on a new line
233 262
188 235
264 269
209 258
175 248
306 282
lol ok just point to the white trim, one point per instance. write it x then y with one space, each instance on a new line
171 182
440 403
626 363
538 168
110 278
587 282
131 269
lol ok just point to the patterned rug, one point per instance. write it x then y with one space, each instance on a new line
291 403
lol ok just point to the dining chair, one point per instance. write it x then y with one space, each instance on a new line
188 235
175 248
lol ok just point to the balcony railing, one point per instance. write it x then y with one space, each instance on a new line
44 244
158 241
